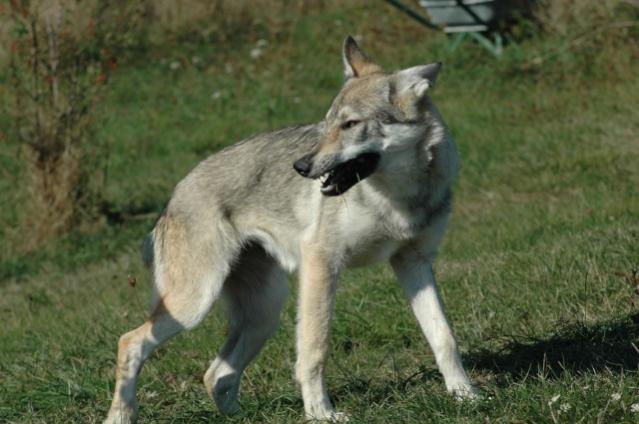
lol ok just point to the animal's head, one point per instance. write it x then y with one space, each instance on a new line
374 113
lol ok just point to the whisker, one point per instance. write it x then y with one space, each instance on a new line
345 203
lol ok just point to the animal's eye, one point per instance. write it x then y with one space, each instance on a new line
350 124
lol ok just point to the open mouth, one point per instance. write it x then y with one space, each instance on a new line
338 180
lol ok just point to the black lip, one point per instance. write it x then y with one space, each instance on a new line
347 174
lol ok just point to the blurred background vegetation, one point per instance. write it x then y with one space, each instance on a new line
70 67
106 105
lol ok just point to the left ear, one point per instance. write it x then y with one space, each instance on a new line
417 80
356 63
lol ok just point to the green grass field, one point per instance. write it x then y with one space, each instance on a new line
539 270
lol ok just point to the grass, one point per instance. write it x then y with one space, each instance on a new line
539 270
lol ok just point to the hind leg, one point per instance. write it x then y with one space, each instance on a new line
134 348
188 282
254 292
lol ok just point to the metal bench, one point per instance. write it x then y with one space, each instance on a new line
463 19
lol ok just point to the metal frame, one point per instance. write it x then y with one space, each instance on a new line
461 33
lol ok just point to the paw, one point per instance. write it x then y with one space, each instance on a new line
122 414
329 416
224 391
465 392
338 417
226 400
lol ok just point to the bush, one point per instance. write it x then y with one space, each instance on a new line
61 59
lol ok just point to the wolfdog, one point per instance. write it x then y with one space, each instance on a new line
370 182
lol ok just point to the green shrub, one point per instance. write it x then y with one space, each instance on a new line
60 62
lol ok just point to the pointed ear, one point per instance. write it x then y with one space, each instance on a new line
356 64
409 86
418 79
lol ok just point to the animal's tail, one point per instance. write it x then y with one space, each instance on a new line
147 249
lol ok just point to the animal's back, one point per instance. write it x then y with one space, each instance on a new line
255 170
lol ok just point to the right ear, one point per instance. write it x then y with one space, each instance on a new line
417 80
356 63
409 86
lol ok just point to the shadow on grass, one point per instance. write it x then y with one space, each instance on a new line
379 391
609 345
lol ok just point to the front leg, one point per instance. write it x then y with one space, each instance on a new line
316 296
414 272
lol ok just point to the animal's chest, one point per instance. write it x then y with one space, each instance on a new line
369 235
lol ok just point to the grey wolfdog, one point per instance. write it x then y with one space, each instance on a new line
370 182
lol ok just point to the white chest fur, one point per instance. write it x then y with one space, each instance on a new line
373 232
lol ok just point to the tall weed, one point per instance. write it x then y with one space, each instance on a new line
60 62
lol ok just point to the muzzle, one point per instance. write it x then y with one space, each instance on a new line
338 178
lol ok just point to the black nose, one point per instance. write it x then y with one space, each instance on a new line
303 166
